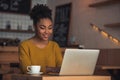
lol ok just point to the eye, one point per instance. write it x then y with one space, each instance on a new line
50 27
41 27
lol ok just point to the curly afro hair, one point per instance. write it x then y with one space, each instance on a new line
40 11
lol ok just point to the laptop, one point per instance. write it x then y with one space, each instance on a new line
79 62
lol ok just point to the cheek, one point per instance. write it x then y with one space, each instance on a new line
51 31
40 31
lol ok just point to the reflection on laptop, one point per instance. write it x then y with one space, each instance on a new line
79 62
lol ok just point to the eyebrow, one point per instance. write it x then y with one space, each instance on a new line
45 26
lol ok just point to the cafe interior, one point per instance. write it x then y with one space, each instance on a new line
79 24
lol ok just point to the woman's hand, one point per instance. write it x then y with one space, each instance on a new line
52 69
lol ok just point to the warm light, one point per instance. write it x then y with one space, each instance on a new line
104 33
110 37
95 28
115 40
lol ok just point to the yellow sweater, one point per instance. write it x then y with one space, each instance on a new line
29 54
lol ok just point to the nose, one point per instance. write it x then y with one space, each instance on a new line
46 30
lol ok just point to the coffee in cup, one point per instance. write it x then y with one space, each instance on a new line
34 68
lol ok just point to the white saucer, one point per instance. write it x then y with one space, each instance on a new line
35 73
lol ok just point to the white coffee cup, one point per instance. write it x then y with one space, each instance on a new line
34 68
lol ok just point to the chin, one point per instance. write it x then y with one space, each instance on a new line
45 39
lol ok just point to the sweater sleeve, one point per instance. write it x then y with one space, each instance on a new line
58 55
24 57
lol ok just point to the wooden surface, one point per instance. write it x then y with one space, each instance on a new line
114 71
9 48
25 77
109 57
104 3
110 67
16 31
3 71
76 78
8 54
112 25
45 77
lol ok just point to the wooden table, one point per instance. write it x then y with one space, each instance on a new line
113 70
3 72
48 77
110 67
76 78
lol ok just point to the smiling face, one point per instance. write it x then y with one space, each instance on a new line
44 29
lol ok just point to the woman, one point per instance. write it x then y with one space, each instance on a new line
39 50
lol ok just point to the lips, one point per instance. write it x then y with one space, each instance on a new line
46 36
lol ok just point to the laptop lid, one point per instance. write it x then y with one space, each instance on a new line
79 62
